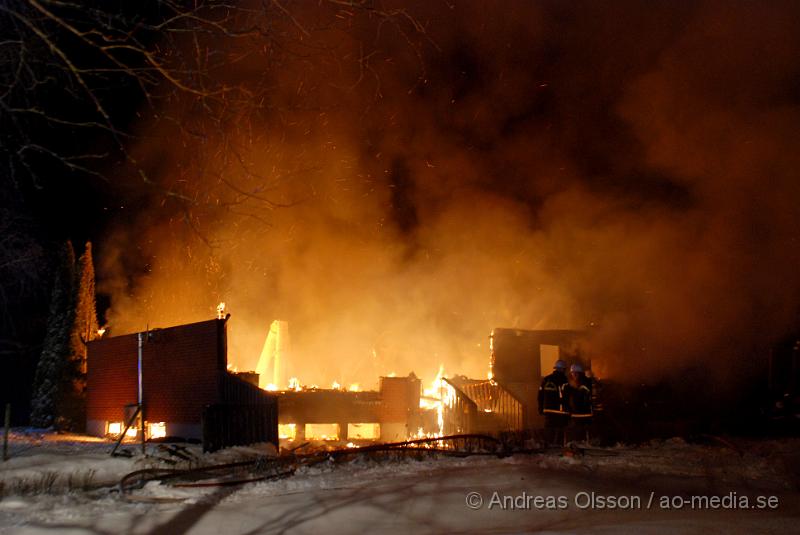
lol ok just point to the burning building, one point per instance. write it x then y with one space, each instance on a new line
179 379
389 414
506 401
174 382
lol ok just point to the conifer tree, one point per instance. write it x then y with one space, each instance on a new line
60 382
86 308
56 344
71 410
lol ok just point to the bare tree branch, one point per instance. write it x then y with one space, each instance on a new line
62 63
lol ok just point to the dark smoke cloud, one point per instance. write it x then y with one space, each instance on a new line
532 165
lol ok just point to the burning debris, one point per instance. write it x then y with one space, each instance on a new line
400 408
403 408
388 414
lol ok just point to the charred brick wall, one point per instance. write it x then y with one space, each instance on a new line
399 398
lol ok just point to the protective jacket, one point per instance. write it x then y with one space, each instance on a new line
579 397
551 394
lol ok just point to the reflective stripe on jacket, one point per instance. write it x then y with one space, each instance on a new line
551 394
580 398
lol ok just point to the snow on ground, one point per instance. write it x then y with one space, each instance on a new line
40 460
563 494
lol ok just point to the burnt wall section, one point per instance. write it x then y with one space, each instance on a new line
247 415
516 353
395 408
329 406
399 398
496 408
519 359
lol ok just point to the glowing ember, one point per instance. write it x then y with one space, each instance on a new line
434 398
364 431
287 431
115 429
322 431
221 311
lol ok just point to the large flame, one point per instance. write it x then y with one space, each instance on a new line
432 399
271 367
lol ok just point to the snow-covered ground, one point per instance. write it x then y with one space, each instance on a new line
40 461
548 492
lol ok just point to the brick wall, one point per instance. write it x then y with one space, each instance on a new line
111 381
399 398
182 370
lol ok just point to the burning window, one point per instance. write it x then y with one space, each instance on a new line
115 429
322 431
287 431
157 429
363 431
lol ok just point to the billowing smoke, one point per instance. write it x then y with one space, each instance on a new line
407 188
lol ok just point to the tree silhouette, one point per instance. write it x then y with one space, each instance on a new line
60 382
56 348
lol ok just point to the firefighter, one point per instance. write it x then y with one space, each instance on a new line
578 394
552 404
597 393
598 427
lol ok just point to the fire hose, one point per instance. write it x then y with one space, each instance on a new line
273 468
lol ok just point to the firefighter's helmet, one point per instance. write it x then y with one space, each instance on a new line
560 365
576 368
